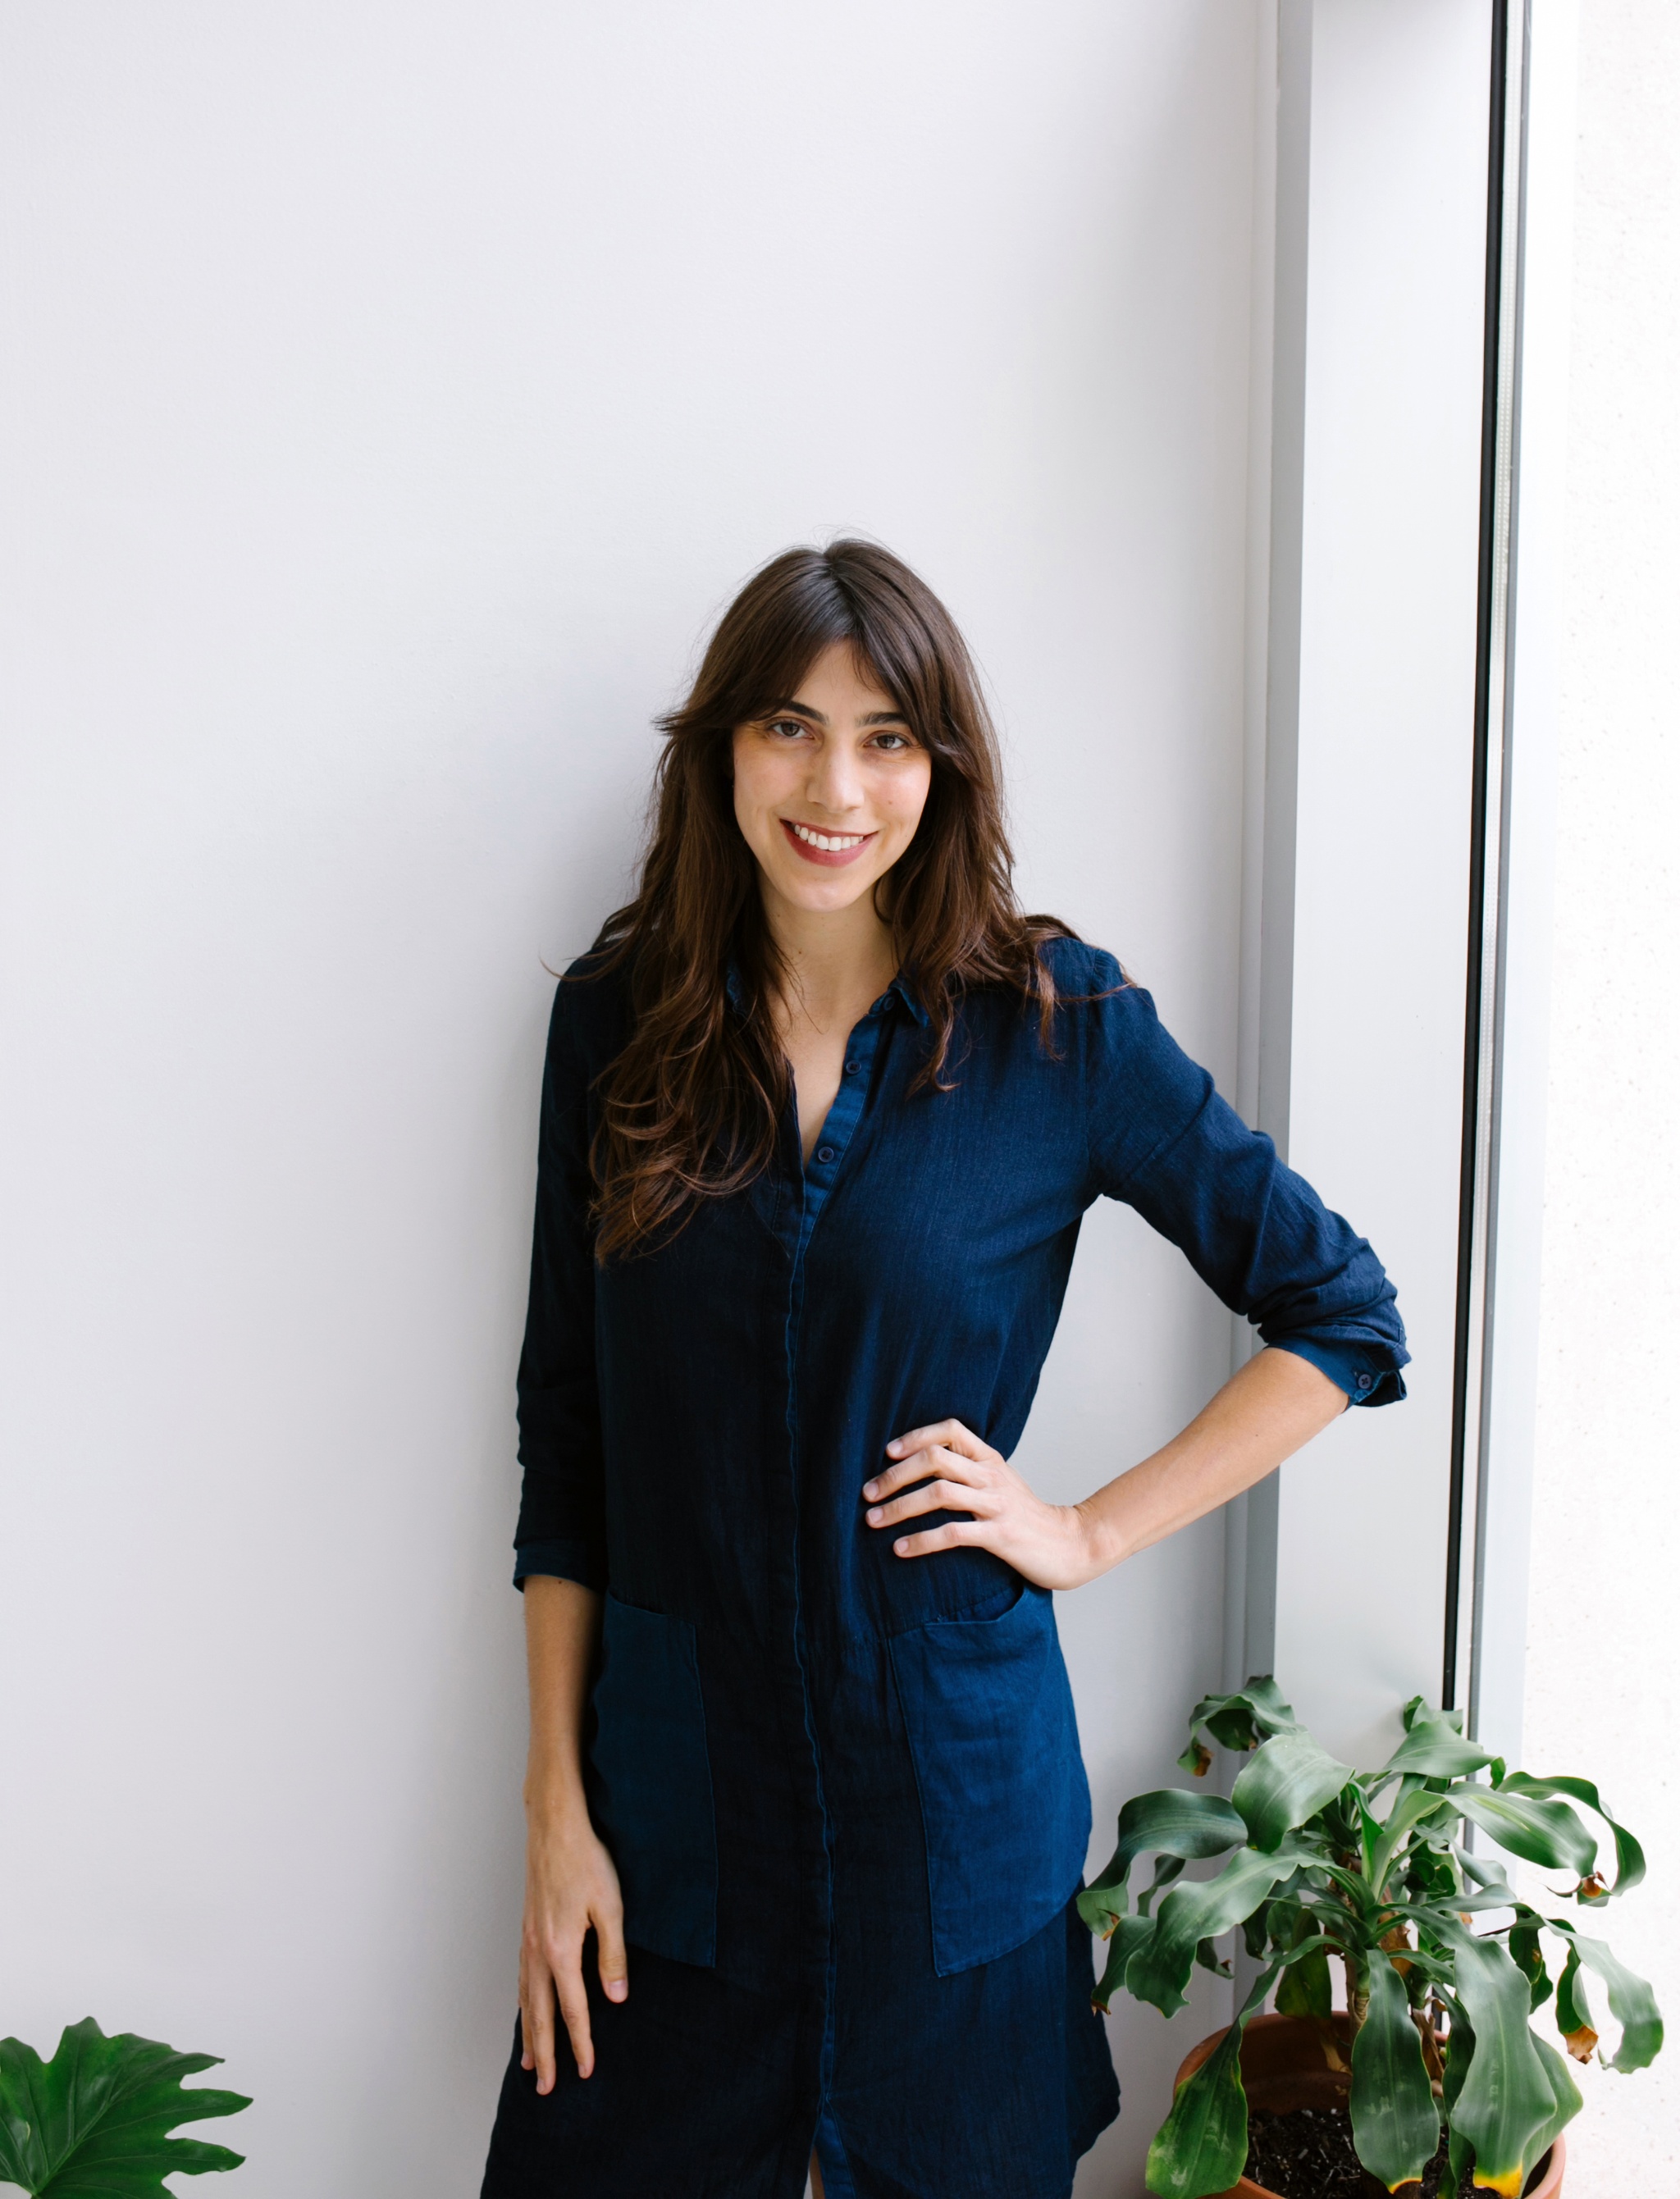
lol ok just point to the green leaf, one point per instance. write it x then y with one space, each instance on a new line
1304 1987
1416 1708
93 2123
1629 1856
1370 1834
1170 1820
1408 1813
1129 1935
1201 2147
1240 1722
1632 2002
1160 1969
1455 2068
1524 1941
1429 1875
1488 1873
14 2148
1208 1958
1543 1832
1574 2016
1287 1779
1397 2124
1566 2100
1432 1750
1168 1869
1508 2097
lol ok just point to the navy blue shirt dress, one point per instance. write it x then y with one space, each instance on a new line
843 1788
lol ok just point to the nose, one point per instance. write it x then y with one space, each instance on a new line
834 784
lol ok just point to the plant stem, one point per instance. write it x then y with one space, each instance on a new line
1358 1994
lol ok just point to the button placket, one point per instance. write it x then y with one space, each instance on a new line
843 1117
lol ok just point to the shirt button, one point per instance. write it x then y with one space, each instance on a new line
1364 1382
825 1154
851 1068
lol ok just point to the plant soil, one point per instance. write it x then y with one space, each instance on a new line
1308 2154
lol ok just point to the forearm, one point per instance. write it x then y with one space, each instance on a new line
562 1623
1267 1410
570 1885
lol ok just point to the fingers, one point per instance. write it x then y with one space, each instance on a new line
614 1963
952 1535
973 1468
942 1496
536 2019
951 1434
573 2012
557 1974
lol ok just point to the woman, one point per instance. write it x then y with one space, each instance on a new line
821 1113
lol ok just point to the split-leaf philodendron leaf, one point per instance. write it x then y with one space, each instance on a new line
93 2122
1371 1868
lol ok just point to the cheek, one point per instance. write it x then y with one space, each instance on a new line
754 773
910 796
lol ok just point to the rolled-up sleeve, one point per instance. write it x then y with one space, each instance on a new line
562 1527
1162 1139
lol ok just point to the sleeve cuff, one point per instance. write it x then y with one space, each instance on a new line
1369 1377
565 1559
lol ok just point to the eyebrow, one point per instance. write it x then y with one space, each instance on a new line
804 710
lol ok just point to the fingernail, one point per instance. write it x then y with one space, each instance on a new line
895 1445
616 1989
874 1515
900 1547
872 1488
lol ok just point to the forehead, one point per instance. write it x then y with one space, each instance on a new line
841 681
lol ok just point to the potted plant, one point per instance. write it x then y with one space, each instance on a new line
93 2122
1445 1962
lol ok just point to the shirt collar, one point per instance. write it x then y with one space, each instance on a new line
735 986
906 994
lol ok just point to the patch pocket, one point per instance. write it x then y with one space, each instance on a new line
650 1781
1006 1809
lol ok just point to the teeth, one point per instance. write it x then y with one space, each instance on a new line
831 843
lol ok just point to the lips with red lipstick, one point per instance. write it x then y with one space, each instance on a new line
834 851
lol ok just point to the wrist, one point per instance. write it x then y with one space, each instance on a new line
554 1794
1105 1546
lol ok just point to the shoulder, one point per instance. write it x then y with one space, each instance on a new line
1109 1024
590 1022
1094 992
1079 970
1101 1021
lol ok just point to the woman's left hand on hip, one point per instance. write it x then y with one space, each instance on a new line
946 1469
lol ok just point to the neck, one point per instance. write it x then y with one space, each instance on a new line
834 961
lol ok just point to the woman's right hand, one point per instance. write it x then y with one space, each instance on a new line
571 1885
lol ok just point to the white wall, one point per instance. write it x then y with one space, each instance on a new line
1395 256
1603 1649
394 394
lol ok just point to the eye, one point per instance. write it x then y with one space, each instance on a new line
790 729
893 744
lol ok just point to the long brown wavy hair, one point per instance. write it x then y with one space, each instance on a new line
690 1109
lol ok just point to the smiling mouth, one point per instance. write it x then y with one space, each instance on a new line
831 850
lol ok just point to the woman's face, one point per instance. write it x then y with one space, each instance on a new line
829 786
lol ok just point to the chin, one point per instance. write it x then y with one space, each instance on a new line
823 895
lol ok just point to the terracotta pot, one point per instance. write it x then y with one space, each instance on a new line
1286 2063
